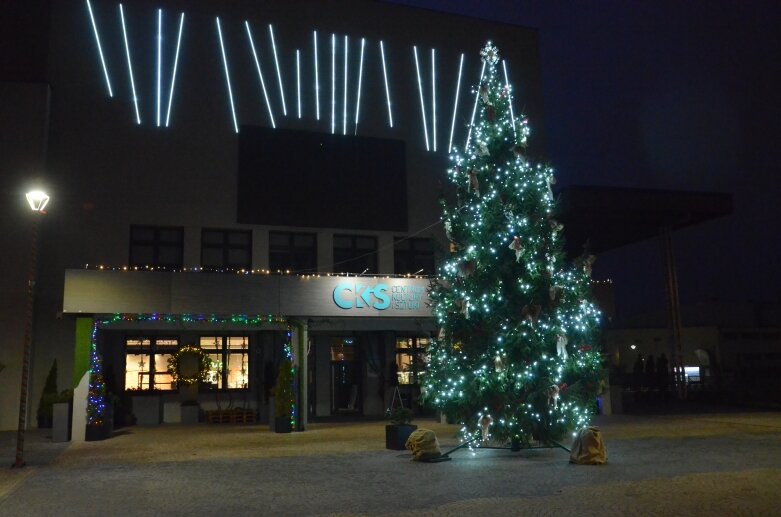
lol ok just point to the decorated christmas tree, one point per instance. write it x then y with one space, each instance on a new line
96 396
515 359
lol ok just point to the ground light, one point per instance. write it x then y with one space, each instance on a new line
37 199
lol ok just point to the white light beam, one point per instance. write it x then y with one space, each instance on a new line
509 97
344 106
333 83
455 104
279 73
227 76
173 75
434 97
298 80
159 61
387 91
420 90
260 74
317 82
360 77
477 96
100 49
129 64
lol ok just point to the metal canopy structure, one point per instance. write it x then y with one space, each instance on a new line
611 217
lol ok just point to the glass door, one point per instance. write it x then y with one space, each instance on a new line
345 377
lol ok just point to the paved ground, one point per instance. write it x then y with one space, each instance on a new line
716 464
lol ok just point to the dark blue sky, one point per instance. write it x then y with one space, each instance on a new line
671 95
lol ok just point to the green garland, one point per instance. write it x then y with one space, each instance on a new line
204 365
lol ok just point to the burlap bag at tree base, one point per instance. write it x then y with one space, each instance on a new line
588 447
423 444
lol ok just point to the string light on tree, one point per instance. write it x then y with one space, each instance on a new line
507 303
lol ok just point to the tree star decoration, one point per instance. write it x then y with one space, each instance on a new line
561 346
489 54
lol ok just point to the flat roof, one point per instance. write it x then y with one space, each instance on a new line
611 217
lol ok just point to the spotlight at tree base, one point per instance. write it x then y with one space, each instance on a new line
517 327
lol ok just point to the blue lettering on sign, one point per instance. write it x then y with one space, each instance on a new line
347 296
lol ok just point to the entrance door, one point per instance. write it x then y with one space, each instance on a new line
345 378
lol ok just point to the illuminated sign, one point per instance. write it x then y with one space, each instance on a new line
354 295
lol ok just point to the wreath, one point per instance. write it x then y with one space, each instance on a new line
204 365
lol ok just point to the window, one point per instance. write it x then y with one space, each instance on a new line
230 361
226 249
292 251
146 363
411 359
156 246
355 254
415 256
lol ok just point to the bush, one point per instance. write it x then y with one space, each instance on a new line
401 416
284 398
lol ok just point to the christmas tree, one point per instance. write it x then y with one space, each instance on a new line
96 396
515 358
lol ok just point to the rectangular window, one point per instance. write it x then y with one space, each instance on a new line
292 251
411 359
146 363
355 254
157 246
413 256
230 361
230 249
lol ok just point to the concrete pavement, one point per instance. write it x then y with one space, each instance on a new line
715 464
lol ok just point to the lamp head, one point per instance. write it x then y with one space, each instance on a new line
38 200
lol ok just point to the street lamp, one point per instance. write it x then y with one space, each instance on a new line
38 201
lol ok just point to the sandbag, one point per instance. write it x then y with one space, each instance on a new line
423 444
588 447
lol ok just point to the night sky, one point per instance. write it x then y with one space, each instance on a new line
669 95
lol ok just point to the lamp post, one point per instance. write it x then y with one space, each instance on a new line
38 201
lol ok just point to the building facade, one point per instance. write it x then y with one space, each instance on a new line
222 173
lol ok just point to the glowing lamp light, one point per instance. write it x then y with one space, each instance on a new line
37 200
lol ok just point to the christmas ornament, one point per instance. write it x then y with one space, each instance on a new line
588 262
585 348
561 346
482 149
473 183
531 313
518 152
553 396
484 93
448 230
489 113
466 269
554 291
441 335
485 425
555 225
517 247
550 180
489 54
454 247
463 307
498 364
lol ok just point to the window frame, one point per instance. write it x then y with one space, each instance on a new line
156 243
224 351
414 259
292 251
150 351
226 248
417 358
359 258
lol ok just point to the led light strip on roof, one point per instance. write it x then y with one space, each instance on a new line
129 64
227 76
455 104
434 98
509 96
477 96
387 91
298 80
420 90
159 61
360 77
279 73
317 81
173 75
260 73
344 105
100 49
